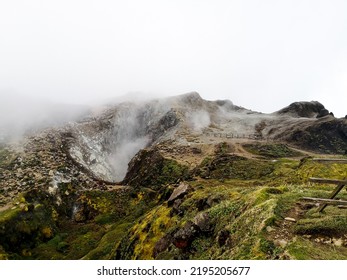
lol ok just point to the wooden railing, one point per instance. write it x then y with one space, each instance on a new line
340 184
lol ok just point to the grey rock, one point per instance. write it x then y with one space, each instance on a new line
186 235
223 237
179 192
203 222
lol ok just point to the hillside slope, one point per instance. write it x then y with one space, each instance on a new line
175 178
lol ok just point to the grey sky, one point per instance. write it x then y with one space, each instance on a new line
261 55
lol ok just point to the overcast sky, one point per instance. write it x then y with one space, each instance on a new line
260 54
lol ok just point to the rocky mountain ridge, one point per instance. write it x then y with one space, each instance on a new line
67 179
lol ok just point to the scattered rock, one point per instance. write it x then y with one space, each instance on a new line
205 203
269 229
179 192
176 209
281 242
337 242
214 200
290 219
162 245
184 237
202 204
203 222
328 241
222 237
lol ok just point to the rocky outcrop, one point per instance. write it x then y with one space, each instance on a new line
149 168
312 109
178 193
58 188
326 135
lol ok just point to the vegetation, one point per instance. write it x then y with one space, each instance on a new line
271 150
234 209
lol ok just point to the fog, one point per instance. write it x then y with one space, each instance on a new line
198 120
21 114
262 55
129 137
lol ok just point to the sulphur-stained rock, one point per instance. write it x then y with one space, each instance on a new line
179 192
65 174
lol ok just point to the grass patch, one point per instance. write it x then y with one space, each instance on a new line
326 225
271 150
303 249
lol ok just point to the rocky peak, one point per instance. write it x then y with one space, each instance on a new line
304 109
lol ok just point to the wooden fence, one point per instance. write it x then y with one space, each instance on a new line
340 184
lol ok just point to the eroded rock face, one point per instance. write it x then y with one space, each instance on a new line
63 173
105 145
326 135
302 109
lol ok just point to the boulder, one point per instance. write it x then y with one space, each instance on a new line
222 237
203 222
179 192
176 208
322 113
183 238
162 245
303 109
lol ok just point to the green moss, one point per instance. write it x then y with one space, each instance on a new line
271 150
241 196
152 170
322 225
147 232
81 243
235 167
223 148
108 243
22 230
9 214
310 168
303 249
228 208
247 231
172 171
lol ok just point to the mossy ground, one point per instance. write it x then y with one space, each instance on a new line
243 198
271 150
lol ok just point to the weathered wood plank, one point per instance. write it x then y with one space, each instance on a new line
326 200
338 188
332 160
327 181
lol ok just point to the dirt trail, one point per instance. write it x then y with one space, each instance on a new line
283 232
